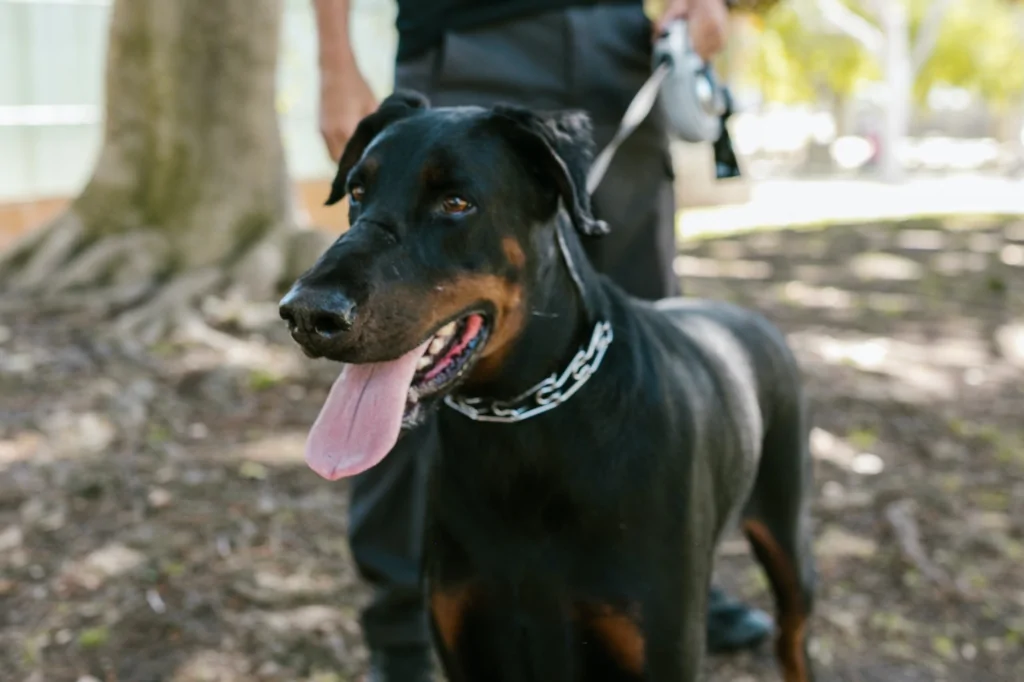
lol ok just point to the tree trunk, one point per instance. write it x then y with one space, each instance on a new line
842 112
190 193
899 82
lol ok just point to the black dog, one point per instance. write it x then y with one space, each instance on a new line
594 447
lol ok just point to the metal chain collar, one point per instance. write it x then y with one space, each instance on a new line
548 394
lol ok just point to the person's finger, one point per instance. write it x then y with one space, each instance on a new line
676 9
708 30
708 43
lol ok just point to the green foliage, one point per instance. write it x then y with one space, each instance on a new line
93 638
797 57
794 62
981 48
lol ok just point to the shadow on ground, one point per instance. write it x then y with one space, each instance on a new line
157 523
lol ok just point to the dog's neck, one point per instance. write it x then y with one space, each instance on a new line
563 304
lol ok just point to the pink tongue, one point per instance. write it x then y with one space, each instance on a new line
359 423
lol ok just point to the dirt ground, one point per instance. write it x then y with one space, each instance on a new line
157 521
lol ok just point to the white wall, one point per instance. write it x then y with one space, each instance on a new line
51 88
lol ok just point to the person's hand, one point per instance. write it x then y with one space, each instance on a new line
345 99
708 21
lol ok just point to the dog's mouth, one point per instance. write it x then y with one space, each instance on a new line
371 403
449 354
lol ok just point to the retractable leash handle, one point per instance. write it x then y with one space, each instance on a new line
695 105
691 98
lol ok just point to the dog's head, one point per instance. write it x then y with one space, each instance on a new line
431 282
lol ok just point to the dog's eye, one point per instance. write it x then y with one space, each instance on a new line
356 193
455 205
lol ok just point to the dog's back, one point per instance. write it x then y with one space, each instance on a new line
748 355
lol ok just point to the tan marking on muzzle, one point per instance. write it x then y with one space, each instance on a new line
510 315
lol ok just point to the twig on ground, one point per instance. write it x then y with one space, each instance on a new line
900 515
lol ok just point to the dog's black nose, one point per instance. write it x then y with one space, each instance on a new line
317 314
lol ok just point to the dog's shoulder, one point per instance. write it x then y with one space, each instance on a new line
730 339
748 327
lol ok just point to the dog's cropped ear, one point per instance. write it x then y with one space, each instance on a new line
396 106
559 147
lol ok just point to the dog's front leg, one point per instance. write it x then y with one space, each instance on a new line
488 635
677 628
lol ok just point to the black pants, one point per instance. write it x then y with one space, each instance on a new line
592 58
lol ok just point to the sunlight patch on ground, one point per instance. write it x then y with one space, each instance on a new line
208 348
830 448
818 297
326 628
787 203
924 370
80 434
24 446
688 266
1011 342
110 561
282 448
269 584
1012 254
305 619
885 266
835 543
867 354
65 435
214 666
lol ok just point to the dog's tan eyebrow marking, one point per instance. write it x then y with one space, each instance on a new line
513 252
370 165
433 173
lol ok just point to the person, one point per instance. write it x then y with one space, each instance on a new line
543 54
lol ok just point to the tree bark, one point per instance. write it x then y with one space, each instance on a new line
190 192
899 82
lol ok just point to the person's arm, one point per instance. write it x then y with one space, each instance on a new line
345 97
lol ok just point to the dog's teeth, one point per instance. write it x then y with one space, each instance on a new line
423 363
436 345
448 330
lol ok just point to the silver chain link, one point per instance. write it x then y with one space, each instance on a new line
548 394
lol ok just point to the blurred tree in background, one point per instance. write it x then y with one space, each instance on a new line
190 195
981 48
799 59
826 51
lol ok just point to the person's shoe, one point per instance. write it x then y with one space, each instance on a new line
401 664
734 626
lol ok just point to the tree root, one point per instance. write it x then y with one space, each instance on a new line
95 303
124 258
34 260
900 515
123 279
169 308
58 269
